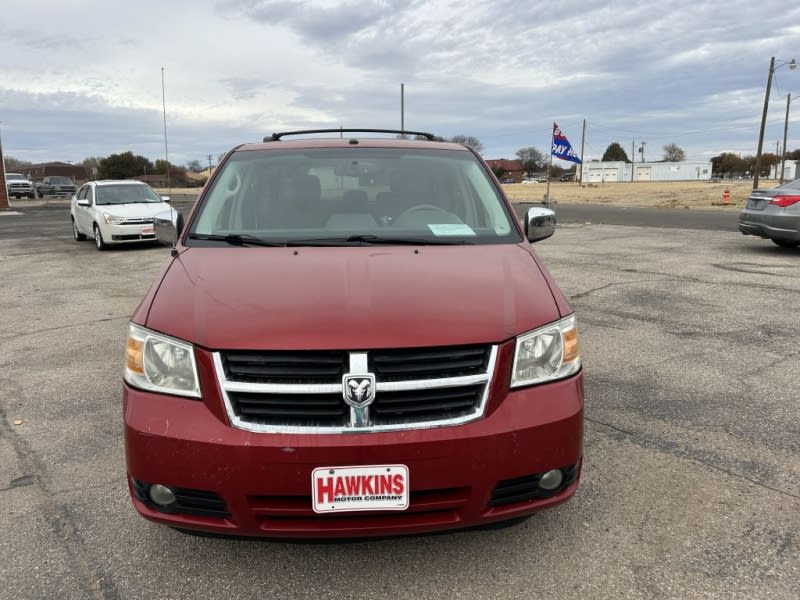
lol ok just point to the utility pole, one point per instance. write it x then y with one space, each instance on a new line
633 160
641 150
209 164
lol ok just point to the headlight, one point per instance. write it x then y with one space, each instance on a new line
159 363
113 219
548 353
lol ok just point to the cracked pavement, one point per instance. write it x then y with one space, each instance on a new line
691 482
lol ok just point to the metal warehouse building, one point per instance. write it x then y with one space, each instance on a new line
600 172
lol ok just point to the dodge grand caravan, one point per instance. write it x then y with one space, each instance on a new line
352 337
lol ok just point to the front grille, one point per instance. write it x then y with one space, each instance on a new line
416 405
187 501
137 221
526 488
303 391
428 363
299 410
132 236
285 367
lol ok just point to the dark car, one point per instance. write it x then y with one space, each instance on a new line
311 362
774 214
56 185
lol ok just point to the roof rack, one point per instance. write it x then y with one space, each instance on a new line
275 137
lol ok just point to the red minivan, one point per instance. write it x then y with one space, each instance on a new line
352 337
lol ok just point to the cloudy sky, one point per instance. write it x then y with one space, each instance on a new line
82 78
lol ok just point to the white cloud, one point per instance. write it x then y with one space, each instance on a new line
86 80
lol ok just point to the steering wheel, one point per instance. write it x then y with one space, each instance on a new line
420 207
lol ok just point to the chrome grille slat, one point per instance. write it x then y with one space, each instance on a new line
302 392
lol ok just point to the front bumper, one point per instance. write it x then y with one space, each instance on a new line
125 234
20 191
260 484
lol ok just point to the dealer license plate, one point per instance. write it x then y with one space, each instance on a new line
147 230
374 487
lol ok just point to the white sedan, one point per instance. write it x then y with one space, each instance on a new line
115 212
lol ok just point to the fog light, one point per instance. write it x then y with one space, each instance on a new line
550 480
161 495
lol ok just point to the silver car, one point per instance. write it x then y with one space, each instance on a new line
774 214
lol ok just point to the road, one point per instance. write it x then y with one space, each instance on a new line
691 484
50 220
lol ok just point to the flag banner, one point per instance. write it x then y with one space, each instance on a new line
562 148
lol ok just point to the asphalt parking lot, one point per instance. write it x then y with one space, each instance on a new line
691 482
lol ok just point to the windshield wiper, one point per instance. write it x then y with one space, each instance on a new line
235 239
369 239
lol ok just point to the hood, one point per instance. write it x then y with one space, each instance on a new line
352 297
139 209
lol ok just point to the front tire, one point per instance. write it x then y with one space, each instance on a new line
786 243
79 237
98 239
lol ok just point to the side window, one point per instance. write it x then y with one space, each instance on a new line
82 192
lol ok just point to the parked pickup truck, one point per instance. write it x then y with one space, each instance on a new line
18 186
55 186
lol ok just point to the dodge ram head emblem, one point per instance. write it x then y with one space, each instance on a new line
358 390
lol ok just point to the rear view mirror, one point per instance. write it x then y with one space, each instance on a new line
540 224
168 226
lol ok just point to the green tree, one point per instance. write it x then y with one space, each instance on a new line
123 166
532 159
674 153
615 152
468 140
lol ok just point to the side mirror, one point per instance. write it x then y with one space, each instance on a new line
167 226
540 224
84 202
165 198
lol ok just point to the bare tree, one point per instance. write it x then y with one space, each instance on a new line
468 140
674 153
195 166
532 158
15 164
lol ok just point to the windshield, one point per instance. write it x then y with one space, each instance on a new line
355 196
60 180
125 194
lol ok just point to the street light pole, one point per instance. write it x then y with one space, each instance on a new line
785 131
792 65
763 123
3 190
166 148
402 107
